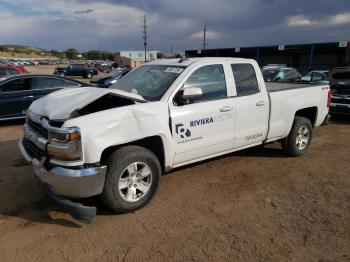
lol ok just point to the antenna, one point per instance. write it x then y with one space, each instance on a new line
204 37
145 35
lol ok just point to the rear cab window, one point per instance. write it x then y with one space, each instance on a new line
245 79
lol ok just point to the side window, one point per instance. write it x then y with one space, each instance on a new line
16 85
46 82
3 72
11 71
211 79
245 79
316 77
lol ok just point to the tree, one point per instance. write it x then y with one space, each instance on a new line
71 53
98 55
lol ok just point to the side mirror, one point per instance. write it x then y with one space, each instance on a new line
189 95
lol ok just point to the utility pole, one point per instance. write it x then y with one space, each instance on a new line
145 35
99 49
204 37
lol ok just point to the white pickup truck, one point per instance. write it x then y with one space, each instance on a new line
116 142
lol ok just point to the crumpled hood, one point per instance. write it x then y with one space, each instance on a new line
60 104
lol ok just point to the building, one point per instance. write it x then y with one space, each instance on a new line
304 57
134 58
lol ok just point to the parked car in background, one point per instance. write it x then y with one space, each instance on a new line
316 76
280 74
340 86
7 70
19 91
4 61
110 78
76 70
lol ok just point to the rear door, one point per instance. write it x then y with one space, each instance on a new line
13 97
252 106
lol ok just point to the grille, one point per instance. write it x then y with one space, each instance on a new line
38 128
341 99
32 149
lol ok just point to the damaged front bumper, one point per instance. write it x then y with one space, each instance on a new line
62 182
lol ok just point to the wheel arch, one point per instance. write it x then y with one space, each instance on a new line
153 143
309 113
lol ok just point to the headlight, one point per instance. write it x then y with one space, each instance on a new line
64 135
111 81
65 144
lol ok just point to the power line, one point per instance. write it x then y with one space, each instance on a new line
145 35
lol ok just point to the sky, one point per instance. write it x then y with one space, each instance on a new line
117 25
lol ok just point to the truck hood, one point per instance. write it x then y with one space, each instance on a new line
61 104
340 80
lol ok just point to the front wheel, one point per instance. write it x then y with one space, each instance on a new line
89 75
299 138
132 179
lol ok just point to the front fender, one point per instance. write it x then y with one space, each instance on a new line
123 125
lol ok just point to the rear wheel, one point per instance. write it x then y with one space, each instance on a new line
132 179
89 75
299 138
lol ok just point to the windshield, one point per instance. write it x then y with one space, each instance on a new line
114 73
149 81
270 74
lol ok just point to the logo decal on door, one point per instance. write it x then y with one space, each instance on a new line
185 134
182 131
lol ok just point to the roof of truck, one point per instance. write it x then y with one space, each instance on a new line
188 61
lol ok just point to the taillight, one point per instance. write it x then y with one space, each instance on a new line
329 98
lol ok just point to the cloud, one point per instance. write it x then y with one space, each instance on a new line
209 35
116 24
302 20
86 11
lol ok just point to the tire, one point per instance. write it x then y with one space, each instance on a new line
299 138
62 74
88 75
120 193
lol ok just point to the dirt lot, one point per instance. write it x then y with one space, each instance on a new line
255 205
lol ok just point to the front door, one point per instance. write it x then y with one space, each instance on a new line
14 96
206 126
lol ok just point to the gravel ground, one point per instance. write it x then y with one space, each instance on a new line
254 205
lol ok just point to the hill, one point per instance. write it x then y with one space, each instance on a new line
24 51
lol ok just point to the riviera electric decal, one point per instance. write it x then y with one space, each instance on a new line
185 132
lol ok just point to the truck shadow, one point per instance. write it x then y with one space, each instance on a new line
340 119
21 196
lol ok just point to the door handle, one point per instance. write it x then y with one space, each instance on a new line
260 103
29 97
226 108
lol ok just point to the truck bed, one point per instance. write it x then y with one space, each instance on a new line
276 87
